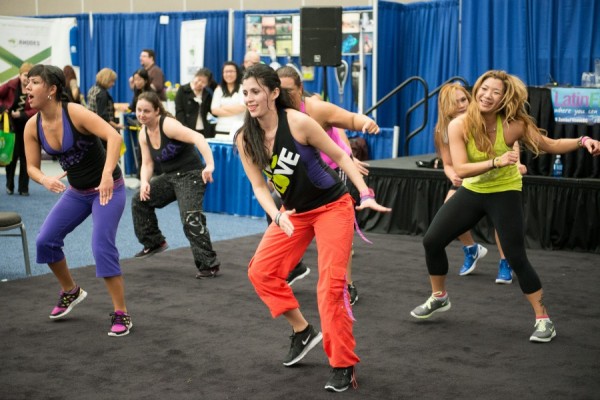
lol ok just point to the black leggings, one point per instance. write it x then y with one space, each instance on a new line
462 211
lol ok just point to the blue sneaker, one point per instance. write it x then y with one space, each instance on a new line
504 272
472 255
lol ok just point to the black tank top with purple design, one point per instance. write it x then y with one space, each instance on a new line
299 174
174 155
82 157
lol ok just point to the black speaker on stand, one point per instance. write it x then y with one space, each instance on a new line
321 38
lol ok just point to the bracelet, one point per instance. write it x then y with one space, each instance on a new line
493 163
42 180
582 140
277 217
366 195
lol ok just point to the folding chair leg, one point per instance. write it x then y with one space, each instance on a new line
25 249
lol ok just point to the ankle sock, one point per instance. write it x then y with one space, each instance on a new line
303 331
73 291
441 295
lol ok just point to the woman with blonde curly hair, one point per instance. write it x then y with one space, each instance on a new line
481 143
453 101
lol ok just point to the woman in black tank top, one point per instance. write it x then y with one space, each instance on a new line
167 142
73 133
285 144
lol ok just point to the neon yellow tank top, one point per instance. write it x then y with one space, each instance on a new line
498 179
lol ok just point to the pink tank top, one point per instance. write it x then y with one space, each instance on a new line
335 136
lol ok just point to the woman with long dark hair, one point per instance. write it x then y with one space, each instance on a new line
141 84
284 144
72 133
71 85
228 101
166 141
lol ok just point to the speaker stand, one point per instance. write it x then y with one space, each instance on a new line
325 93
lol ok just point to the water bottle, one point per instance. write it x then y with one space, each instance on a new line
557 168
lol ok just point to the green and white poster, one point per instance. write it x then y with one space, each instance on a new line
34 40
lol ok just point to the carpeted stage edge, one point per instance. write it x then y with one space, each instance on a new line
214 339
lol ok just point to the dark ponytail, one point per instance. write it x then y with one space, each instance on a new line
51 76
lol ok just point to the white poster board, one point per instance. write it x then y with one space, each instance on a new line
192 49
34 40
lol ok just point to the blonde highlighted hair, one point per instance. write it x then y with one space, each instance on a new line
25 67
105 77
447 107
512 108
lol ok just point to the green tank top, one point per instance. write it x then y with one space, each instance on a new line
498 179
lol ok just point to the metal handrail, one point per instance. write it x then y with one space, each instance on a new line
393 92
396 90
425 100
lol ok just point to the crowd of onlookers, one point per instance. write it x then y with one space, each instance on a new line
203 105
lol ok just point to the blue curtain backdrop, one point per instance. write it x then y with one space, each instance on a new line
532 39
116 41
419 39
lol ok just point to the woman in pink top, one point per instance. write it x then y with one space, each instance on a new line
331 118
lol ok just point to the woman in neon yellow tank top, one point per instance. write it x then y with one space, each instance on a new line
453 101
481 149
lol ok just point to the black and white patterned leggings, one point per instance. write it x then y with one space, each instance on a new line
187 188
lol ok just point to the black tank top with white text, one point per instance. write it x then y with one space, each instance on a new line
299 174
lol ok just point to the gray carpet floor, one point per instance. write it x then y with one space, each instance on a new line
35 208
214 339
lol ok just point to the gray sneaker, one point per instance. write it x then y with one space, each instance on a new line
431 306
544 331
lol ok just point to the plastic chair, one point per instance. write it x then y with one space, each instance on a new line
12 220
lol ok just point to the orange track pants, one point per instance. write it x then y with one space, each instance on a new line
277 254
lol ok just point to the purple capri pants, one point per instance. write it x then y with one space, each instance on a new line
72 209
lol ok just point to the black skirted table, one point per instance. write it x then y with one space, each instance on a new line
560 213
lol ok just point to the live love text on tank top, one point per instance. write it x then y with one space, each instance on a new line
298 173
82 157
173 155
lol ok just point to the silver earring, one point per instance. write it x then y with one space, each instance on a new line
49 97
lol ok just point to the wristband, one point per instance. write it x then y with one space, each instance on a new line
366 195
582 140
493 163
277 217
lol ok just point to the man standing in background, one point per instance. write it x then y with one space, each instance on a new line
157 77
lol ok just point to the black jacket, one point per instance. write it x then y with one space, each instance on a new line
186 108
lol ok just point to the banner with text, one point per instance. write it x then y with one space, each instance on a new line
34 40
192 49
576 105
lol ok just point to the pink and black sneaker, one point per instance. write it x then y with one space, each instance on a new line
67 301
121 323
